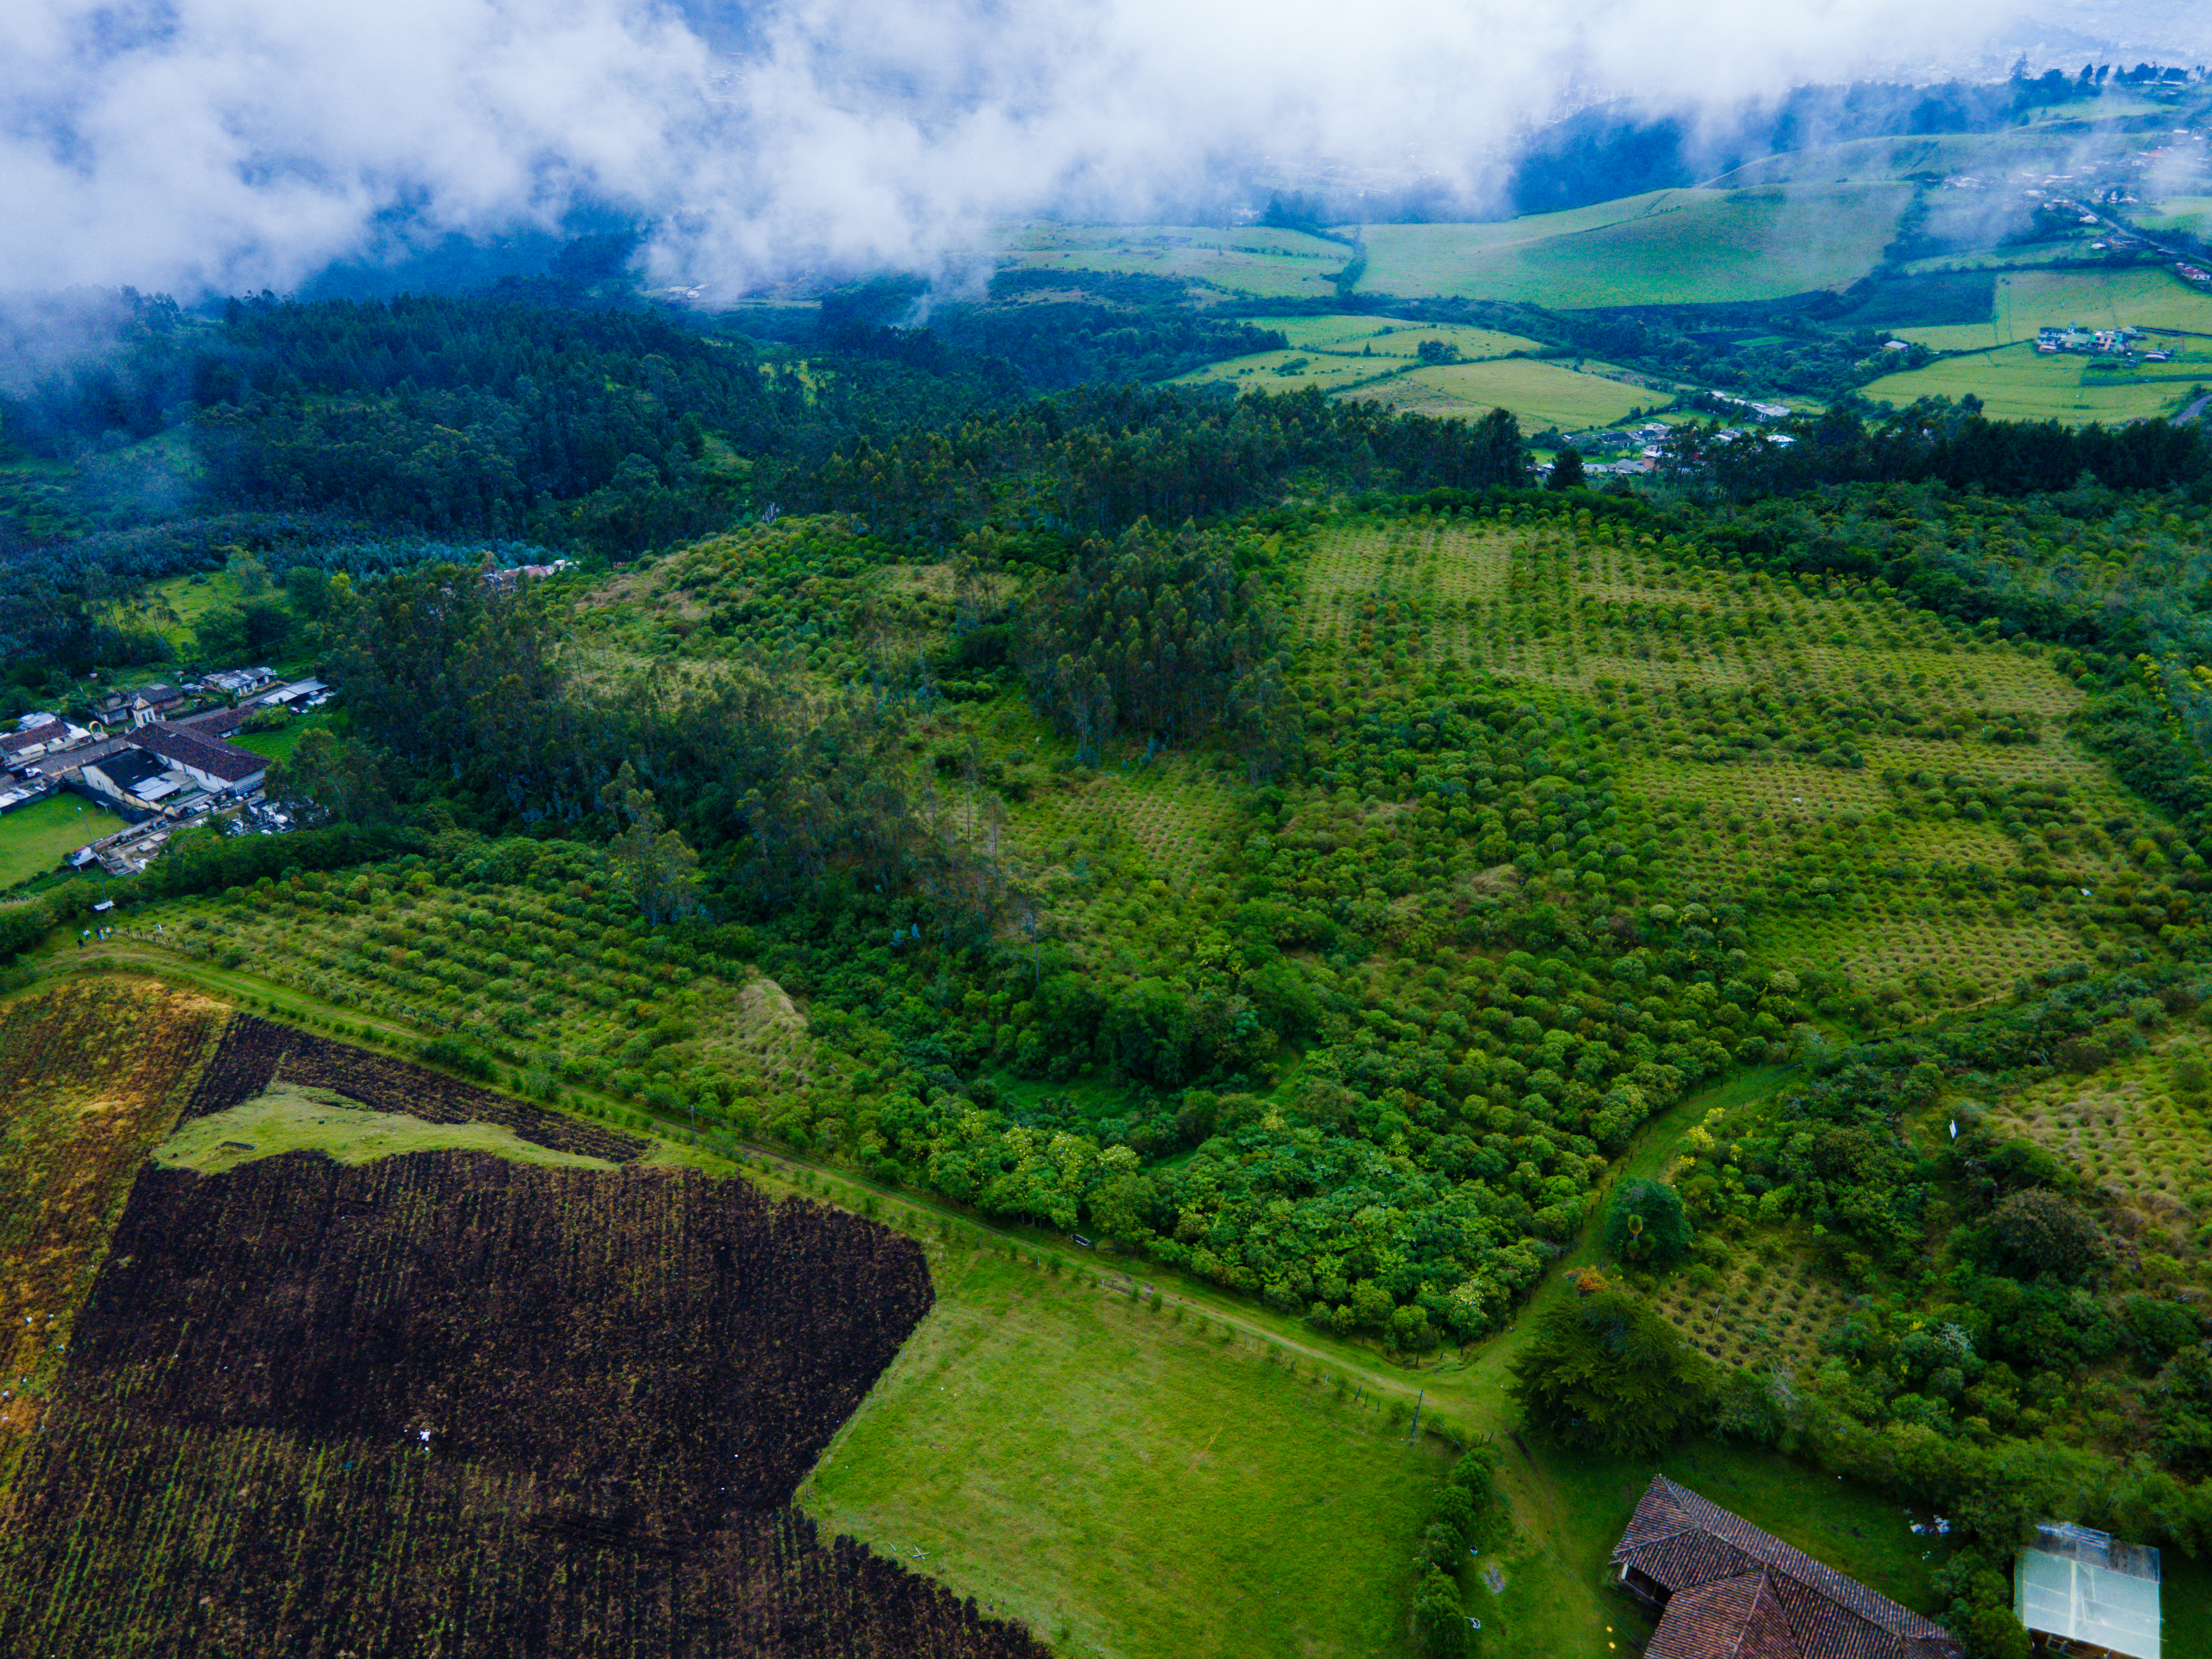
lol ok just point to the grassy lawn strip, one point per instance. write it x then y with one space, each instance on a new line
279 745
292 1118
1127 1482
34 839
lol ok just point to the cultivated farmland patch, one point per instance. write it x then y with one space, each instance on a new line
453 1401
90 1079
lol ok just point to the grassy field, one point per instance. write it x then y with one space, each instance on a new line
1669 247
36 838
1392 338
2018 383
1955 336
2189 215
1158 1491
1863 160
1294 370
294 1118
1246 259
2138 297
1542 394
2026 300
173 606
279 744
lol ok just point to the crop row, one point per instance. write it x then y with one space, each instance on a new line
254 1054
449 1403
90 1076
512 966
515 1311
214 1543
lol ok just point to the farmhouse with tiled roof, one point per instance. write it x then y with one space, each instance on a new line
1725 1587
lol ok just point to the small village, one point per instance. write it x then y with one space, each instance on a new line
160 757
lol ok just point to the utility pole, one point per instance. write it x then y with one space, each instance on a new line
1420 1399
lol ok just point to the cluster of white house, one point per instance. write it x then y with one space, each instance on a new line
2098 342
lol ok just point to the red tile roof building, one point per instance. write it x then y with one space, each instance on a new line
1726 1587
217 763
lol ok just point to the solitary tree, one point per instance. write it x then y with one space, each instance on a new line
2036 1232
1606 1372
661 872
1566 470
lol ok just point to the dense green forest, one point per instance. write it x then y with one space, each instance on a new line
1265 832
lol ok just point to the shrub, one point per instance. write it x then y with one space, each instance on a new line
452 1055
2038 1231
1646 1223
1439 1620
1607 1373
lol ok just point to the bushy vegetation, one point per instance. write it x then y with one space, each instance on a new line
1606 1372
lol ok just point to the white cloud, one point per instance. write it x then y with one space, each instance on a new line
235 144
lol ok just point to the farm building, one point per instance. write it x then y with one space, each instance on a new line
152 703
1722 1587
133 777
214 765
236 682
2083 1592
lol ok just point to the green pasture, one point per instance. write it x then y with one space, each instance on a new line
173 606
1127 1481
2020 255
279 744
1541 393
2189 215
294 1118
1393 336
1993 157
1955 336
2139 296
1244 259
2018 383
34 839
1293 371
1370 357
1679 246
